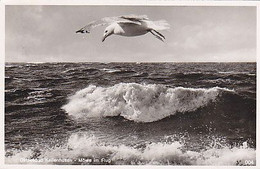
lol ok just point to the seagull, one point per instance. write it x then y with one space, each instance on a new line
129 25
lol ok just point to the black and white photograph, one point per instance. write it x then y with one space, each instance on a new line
133 85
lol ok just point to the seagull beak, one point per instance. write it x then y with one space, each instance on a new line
104 37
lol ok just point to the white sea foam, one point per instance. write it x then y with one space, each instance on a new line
110 70
138 102
162 153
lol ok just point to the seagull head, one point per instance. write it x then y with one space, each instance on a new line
108 31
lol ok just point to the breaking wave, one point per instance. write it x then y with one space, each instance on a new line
83 149
139 102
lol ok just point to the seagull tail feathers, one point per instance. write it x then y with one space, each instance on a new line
160 25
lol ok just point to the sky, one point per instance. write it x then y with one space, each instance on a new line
35 33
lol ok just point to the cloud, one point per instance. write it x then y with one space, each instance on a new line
215 39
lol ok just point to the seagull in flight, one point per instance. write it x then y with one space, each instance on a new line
129 25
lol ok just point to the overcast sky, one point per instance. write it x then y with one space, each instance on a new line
204 34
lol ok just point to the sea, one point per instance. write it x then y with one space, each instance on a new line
130 113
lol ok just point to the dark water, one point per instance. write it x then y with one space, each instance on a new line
130 113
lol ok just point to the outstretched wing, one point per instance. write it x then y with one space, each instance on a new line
91 25
136 18
108 20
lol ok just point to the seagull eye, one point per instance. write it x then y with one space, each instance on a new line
106 31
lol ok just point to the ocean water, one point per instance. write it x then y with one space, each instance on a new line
130 113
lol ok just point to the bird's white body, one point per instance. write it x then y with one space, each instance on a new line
131 25
129 29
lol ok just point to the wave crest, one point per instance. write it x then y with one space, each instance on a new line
138 102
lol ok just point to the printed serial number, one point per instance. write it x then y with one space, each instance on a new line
245 162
